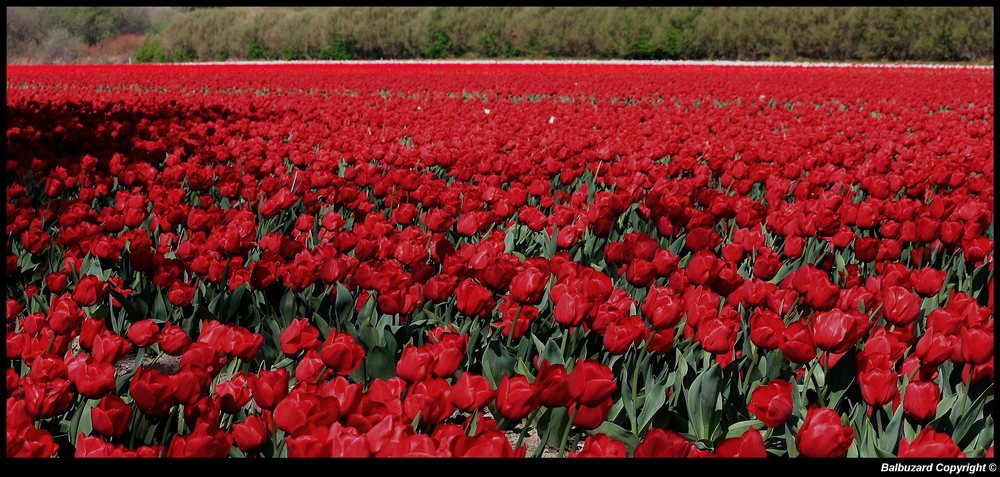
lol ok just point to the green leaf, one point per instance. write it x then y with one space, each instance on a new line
283 363
74 423
496 364
627 401
785 270
213 304
971 415
380 364
160 307
92 266
432 317
655 397
233 302
551 246
984 439
790 442
839 380
618 433
553 421
980 278
945 405
121 383
520 367
321 325
700 401
675 246
86 426
883 454
839 261
343 304
474 335
275 331
508 240
737 429
287 305
890 437
864 432
550 352
370 336
134 313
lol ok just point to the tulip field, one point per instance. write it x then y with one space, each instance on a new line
499 260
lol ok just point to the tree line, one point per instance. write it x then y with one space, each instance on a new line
320 33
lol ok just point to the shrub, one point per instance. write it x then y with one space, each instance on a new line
150 52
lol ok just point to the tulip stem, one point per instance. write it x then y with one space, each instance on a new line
513 326
569 425
805 382
166 423
635 385
472 422
322 371
524 428
277 450
824 362
753 364
878 419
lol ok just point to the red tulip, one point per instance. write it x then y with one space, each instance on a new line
341 353
89 290
928 281
471 392
921 399
298 336
664 443
766 329
823 434
772 404
797 344
110 417
474 299
591 382
270 387
528 284
143 333
751 444
930 443
901 306
415 364
836 332
600 445
205 441
516 398
552 385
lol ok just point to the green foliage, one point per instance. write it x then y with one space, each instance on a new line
439 45
92 24
150 52
257 51
291 52
185 55
59 34
673 44
641 48
337 49
339 33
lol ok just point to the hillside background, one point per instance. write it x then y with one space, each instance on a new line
168 34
